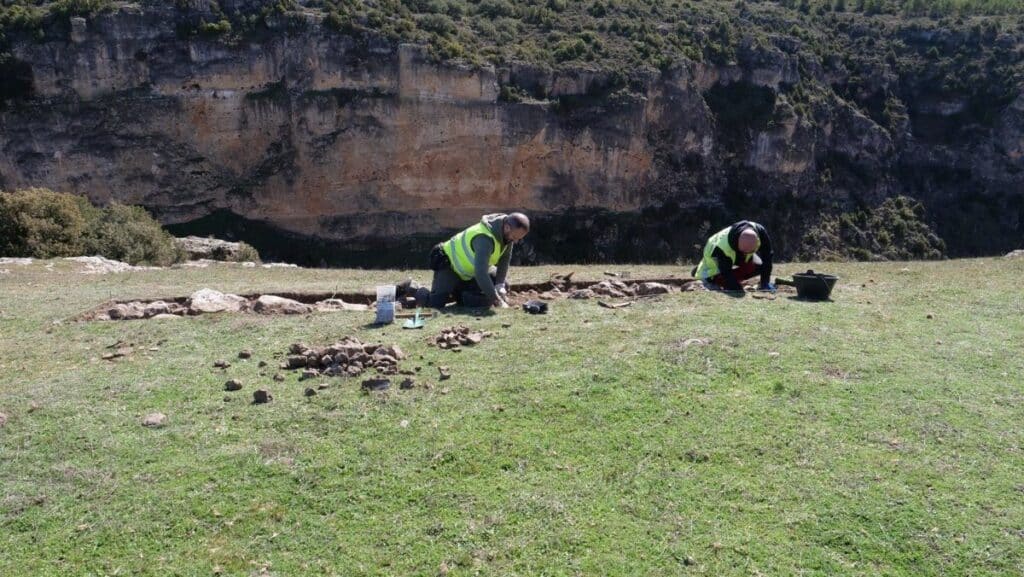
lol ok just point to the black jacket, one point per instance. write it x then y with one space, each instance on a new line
725 263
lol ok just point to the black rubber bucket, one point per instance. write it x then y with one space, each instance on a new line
811 285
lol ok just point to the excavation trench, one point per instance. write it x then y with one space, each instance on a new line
208 301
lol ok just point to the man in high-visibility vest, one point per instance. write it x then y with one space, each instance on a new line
735 254
462 265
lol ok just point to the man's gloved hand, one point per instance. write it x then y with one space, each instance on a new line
768 287
502 289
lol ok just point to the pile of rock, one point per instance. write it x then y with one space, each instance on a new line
152 310
205 301
348 357
453 338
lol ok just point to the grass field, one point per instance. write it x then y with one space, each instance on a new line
879 434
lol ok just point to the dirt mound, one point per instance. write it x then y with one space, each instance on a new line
453 338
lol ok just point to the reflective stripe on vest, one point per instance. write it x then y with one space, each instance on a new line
459 249
708 266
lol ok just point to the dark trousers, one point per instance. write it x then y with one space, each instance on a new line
447 286
746 270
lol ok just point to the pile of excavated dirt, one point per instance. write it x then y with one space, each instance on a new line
348 357
454 338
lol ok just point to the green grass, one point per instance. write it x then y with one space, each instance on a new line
876 441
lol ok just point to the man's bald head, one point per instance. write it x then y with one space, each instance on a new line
517 225
748 241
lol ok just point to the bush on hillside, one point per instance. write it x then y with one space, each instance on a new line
40 223
894 230
130 234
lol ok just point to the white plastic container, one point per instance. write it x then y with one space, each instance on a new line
385 304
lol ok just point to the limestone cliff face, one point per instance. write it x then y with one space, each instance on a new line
345 147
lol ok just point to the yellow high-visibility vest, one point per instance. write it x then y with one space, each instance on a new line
459 249
708 266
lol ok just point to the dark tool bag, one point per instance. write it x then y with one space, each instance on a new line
438 259
535 307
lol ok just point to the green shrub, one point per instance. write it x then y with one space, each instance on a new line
247 253
130 234
895 230
40 223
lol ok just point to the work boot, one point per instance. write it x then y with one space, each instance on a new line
422 297
406 287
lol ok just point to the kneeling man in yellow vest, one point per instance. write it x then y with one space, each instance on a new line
463 264
734 254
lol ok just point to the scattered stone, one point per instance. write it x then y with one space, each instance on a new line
278 377
582 294
127 311
930 315
154 420
262 364
652 288
156 308
309 392
261 396
695 343
407 384
233 385
245 354
404 423
323 386
607 305
221 364
378 384
444 373
309 374
459 336
294 362
211 301
270 304
1015 254
333 305
689 561
101 265
163 317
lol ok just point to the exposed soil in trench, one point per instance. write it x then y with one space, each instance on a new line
560 286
